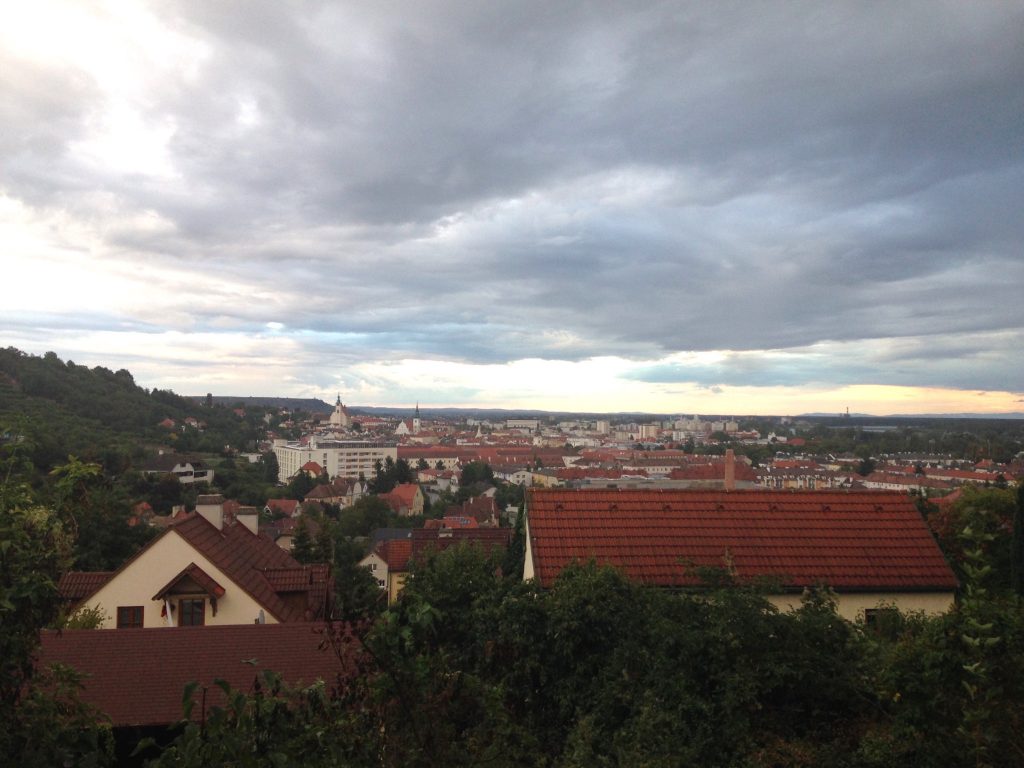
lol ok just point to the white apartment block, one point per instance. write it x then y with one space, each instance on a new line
530 424
341 458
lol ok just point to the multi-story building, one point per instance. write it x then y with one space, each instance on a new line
339 458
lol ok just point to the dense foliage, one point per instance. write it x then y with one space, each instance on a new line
104 416
42 722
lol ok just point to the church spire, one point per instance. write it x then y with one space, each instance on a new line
417 409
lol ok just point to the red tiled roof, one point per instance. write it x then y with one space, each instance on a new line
481 508
868 540
713 471
398 553
137 676
77 585
283 506
295 579
405 493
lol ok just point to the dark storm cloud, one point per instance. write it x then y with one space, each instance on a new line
476 183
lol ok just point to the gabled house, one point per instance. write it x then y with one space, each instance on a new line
185 468
311 469
406 499
390 560
483 509
339 491
202 570
871 548
282 507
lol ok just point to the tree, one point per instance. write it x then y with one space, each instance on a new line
300 485
1017 544
866 467
270 468
303 547
44 723
476 472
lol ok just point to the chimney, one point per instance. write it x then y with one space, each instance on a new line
730 470
211 506
250 518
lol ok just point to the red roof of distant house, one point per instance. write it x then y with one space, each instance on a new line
794 464
398 553
863 541
137 676
406 493
286 507
482 508
402 497
312 468
713 471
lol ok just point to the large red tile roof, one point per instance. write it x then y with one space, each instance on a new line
137 676
851 541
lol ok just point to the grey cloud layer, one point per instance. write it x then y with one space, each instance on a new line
453 180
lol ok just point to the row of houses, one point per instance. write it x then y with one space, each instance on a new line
212 596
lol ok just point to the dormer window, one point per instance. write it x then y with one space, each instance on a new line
191 612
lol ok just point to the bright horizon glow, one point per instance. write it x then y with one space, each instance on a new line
589 386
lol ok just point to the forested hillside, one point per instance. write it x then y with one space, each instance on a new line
60 408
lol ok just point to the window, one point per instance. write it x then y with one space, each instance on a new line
129 617
373 566
192 613
884 621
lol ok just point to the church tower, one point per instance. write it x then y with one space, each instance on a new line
340 417
416 419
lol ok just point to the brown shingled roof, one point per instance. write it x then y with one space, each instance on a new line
77 585
243 556
137 677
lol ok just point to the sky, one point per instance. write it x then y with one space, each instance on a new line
674 207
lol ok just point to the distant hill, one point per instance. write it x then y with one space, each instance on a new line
56 409
308 404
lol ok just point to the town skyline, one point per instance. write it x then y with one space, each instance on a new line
700 208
